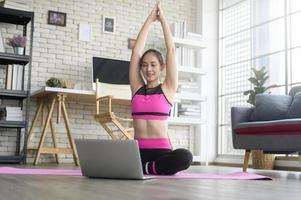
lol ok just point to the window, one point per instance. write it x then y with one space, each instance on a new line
255 33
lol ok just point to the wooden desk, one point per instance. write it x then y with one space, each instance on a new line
48 97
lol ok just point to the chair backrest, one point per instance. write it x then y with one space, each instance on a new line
294 90
117 90
106 91
100 97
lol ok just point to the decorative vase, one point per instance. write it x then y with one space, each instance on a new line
19 50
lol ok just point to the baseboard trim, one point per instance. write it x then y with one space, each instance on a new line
284 168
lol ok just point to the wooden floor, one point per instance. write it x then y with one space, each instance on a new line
285 185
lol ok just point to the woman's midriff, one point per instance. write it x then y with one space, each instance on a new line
150 128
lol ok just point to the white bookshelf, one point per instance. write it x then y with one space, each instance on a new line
189 96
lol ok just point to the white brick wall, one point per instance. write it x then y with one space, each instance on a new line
58 52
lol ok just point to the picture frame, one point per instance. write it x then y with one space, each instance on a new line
85 32
57 18
108 24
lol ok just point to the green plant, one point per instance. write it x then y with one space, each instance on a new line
258 81
54 82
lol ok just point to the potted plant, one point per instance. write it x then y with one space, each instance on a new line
259 159
55 82
258 81
18 42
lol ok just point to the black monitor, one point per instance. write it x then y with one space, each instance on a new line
111 71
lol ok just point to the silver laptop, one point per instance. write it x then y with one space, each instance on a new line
116 159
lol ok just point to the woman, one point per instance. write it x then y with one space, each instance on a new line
151 101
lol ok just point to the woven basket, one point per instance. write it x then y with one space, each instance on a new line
262 161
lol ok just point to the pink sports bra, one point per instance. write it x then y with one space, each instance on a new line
150 103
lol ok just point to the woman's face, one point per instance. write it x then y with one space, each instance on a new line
151 67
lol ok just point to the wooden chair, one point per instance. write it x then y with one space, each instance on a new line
108 117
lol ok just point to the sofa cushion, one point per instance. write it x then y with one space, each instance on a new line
276 127
295 108
270 107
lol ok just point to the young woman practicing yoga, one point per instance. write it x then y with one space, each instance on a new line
151 101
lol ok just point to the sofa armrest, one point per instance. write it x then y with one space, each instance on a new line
239 115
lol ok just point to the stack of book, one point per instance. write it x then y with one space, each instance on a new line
9 113
189 110
185 56
188 89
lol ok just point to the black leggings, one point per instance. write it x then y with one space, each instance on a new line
165 161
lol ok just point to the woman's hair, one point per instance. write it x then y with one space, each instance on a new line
156 53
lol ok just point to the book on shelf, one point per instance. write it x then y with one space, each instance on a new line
174 110
9 113
189 109
19 77
190 106
185 57
190 117
179 29
14 77
187 113
9 75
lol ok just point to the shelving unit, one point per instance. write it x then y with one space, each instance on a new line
194 73
18 17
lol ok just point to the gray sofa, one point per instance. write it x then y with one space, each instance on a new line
273 125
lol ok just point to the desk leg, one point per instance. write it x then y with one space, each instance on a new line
70 137
44 131
35 118
42 115
61 98
53 135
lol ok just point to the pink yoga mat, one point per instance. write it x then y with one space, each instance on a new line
180 175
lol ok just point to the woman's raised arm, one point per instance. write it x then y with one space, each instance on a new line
171 79
136 80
